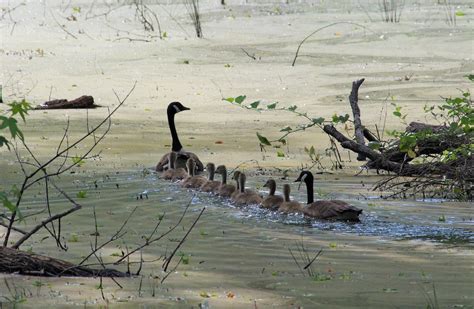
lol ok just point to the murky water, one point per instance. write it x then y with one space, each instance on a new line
245 251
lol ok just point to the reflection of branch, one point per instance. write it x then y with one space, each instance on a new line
319 29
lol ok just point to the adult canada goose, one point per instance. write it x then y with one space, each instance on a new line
211 185
173 109
246 196
225 189
192 181
327 209
174 173
289 206
272 201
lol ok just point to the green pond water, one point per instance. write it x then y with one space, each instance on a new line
241 256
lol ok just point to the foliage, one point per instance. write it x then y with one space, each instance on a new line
9 123
287 130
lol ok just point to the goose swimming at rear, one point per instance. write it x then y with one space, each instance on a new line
225 189
174 173
192 181
246 196
272 201
289 206
211 185
172 110
327 209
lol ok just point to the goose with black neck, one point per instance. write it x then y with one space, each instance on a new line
183 156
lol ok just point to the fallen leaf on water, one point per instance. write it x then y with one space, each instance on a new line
219 142
337 34
230 295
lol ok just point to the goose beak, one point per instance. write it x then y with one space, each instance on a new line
186 108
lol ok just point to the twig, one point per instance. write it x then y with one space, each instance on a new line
167 262
62 26
319 29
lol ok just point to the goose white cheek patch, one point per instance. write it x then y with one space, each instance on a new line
302 179
176 108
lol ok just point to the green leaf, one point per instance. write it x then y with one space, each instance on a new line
460 13
6 202
280 154
4 142
240 99
263 140
231 100
318 120
11 124
20 108
254 104
470 77
286 129
81 194
292 108
272 106
374 145
77 160
411 153
398 114
312 151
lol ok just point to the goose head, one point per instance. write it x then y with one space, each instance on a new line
270 184
305 176
176 107
211 169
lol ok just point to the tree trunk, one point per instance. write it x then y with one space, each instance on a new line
25 263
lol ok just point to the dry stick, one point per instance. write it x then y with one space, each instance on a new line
314 259
118 234
171 271
25 184
167 262
354 101
61 26
319 29
149 242
14 228
296 261
251 56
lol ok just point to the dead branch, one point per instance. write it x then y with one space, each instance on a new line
354 101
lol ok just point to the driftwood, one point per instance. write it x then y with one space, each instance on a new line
26 263
393 160
84 101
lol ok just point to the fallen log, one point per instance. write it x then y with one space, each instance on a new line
26 263
84 101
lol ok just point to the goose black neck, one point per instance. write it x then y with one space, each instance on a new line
309 188
176 146
286 192
242 183
224 177
272 188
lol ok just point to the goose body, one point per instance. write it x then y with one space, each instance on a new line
174 173
210 185
192 181
225 189
272 201
289 206
329 209
182 155
246 197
